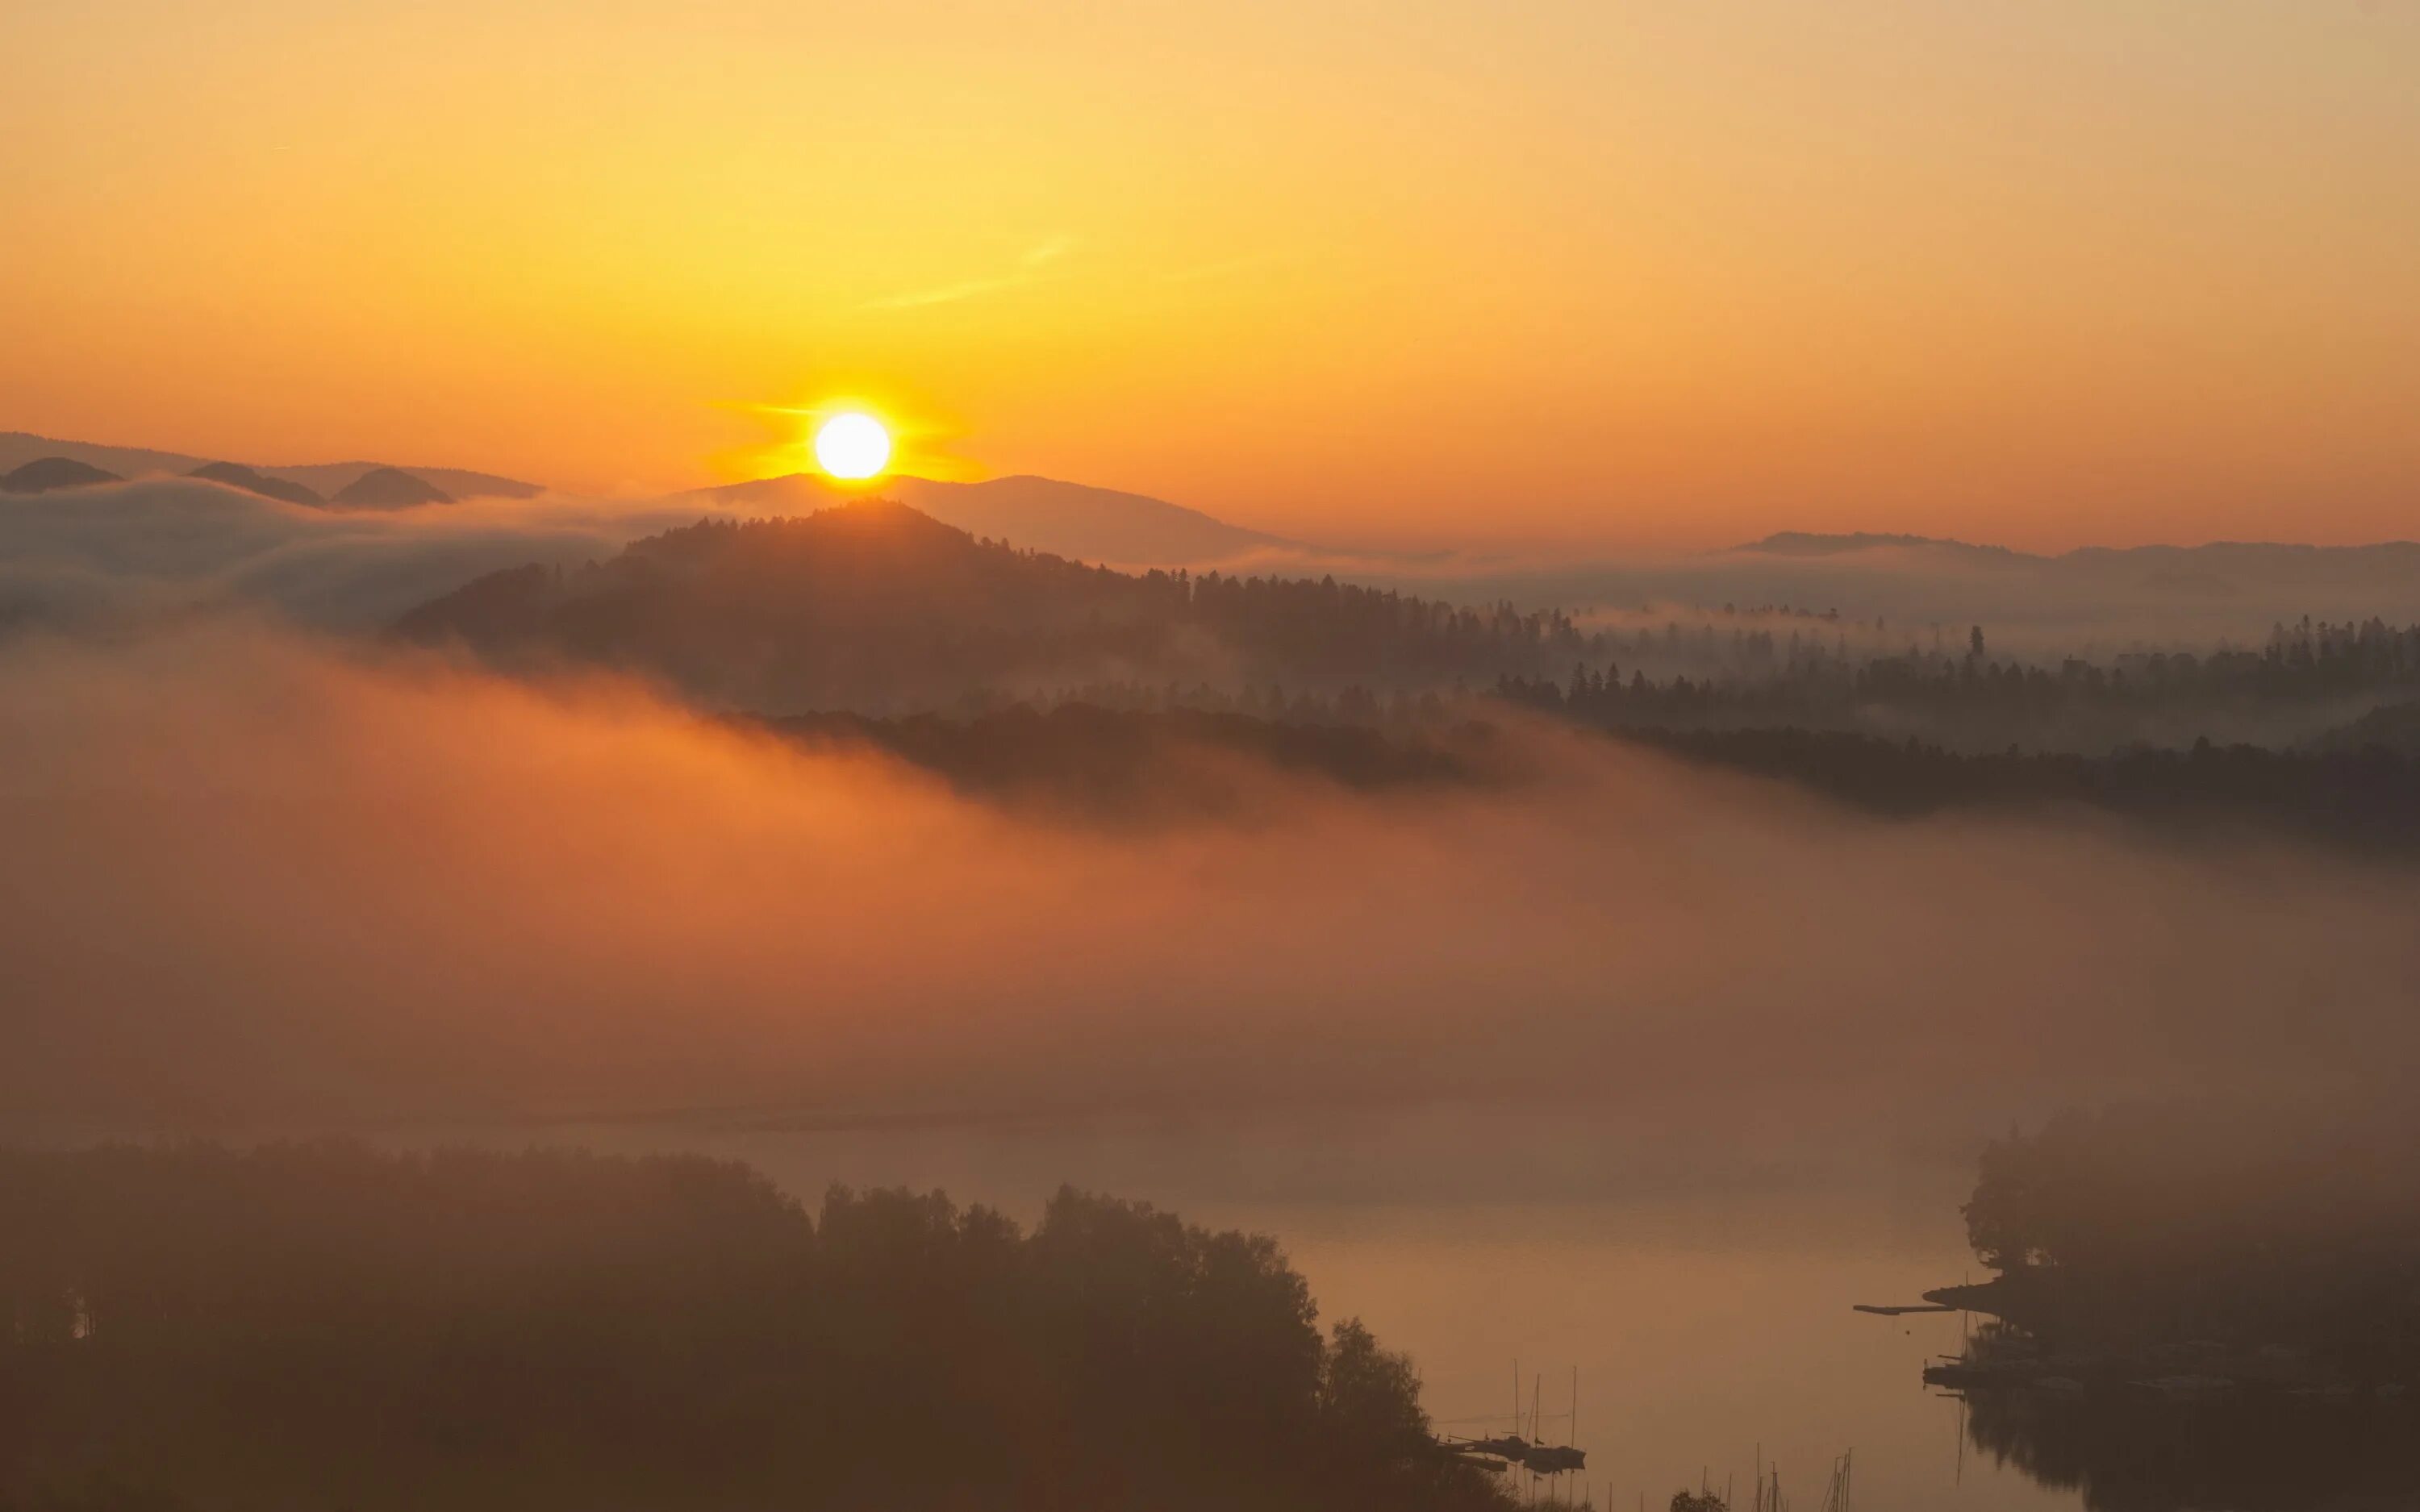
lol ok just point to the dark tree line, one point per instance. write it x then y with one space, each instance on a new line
2272 1250
1972 695
1972 700
1762 644
320 1325
1175 763
878 608
2292 1229
2365 800
1171 763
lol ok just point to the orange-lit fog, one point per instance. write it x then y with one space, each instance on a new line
252 878
1374 275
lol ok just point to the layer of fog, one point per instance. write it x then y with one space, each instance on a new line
134 552
103 554
2093 604
253 877
117 554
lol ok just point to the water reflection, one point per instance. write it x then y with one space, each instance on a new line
1701 1289
2270 1454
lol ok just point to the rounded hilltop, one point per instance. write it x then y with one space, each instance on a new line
45 475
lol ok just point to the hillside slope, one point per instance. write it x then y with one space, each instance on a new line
880 607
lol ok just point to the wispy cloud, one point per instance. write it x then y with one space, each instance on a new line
1049 251
1028 268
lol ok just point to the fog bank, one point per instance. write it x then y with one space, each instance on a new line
253 877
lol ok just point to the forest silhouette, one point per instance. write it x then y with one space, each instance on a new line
875 621
1178 762
873 607
877 608
319 1324
2146 1225
2200 1305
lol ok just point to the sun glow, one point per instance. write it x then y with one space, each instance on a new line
852 446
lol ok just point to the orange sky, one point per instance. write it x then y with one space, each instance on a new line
1661 272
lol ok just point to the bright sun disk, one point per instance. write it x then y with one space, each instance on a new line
852 446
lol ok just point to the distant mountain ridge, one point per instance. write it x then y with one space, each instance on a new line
236 475
1818 544
46 473
1069 519
2242 553
323 479
389 488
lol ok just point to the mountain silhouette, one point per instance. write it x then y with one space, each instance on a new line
236 475
1068 520
388 489
331 478
1095 524
880 607
1811 544
321 478
2209 566
45 473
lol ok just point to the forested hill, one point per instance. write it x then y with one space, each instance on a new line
190 1327
877 608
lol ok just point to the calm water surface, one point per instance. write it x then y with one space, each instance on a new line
1705 1298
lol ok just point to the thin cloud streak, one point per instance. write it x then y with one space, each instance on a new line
1028 268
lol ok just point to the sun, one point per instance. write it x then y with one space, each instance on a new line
852 446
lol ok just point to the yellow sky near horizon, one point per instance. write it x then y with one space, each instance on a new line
1407 273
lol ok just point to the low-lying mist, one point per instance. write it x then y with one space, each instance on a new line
256 879
160 546
101 554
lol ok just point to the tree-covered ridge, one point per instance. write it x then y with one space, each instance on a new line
317 1325
2306 679
877 608
1171 762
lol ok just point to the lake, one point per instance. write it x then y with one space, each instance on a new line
1701 1287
